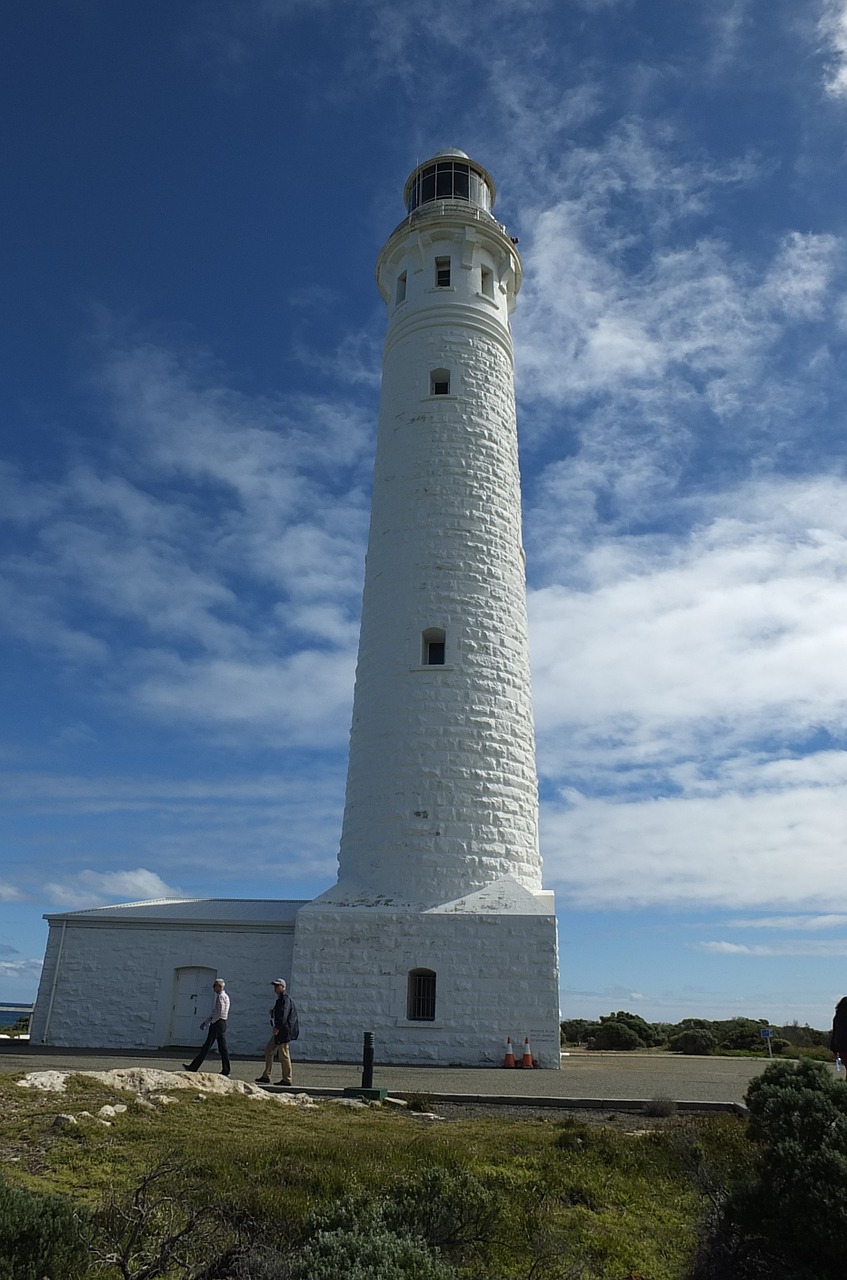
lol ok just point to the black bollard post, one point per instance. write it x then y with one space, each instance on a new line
368 1061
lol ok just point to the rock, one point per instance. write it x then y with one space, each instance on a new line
64 1121
49 1081
149 1085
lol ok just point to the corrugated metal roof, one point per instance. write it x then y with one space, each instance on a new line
192 910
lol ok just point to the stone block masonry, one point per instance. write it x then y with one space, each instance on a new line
495 976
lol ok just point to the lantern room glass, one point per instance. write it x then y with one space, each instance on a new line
449 180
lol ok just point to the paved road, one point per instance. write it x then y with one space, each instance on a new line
603 1076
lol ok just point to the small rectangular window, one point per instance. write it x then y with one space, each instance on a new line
420 996
487 281
401 287
442 273
433 648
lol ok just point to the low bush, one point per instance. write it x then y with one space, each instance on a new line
790 1217
660 1107
374 1254
39 1236
646 1035
615 1035
695 1041
577 1030
816 1052
741 1033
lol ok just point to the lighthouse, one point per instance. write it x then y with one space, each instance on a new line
438 935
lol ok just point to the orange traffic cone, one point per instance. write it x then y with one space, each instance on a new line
526 1060
509 1060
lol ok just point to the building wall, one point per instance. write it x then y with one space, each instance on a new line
496 976
442 784
115 984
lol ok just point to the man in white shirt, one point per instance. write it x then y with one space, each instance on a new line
216 1022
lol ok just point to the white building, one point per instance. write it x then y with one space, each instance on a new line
438 935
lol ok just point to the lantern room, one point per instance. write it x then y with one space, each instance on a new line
451 175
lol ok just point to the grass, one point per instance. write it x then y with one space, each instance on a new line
614 1203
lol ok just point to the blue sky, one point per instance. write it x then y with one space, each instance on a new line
191 336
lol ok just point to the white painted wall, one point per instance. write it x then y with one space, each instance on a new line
496 976
442 786
116 981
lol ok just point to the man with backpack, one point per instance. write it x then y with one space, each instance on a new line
285 1029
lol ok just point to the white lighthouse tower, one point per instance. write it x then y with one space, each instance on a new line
438 935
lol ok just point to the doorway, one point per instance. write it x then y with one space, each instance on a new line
193 998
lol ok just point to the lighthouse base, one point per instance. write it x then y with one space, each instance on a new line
440 985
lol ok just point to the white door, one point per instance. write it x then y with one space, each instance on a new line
193 998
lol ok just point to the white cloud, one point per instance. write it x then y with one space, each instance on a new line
692 326
25 971
283 827
301 699
97 888
797 924
727 23
802 272
833 29
735 850
836 947
663 643
212 565
9 892
699 680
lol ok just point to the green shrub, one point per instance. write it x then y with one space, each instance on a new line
616 1035
791 1218
816 1052
39 1236
577 1030
697 1040
647 1035
741 1033
368 1255
449 1209
804 1037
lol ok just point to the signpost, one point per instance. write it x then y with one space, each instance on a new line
767 1033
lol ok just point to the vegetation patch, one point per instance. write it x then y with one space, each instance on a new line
730 1036
200 1186
227 1188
